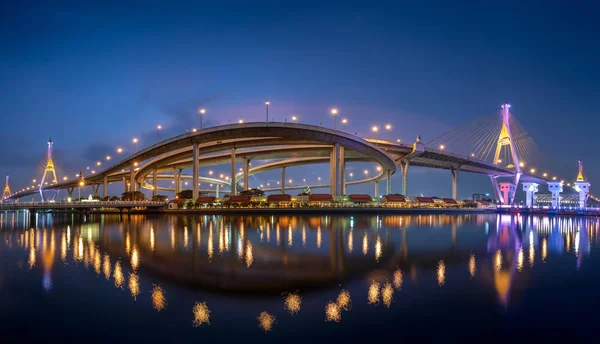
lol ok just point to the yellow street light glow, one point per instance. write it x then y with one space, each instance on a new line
532 170
80 183
210 173
98 163
388 127
562 181
334 111
375 129
499 160
294 118
344 121
267 102
378 168
553 178
135 140
194 130
202 111
522 164
108 157
351 174
366 172
241 121
442 147
34 180
65 178
290 181
545 174
135 164
119 150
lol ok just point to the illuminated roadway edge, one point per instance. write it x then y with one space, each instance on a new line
229 136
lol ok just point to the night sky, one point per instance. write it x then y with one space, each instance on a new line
94 76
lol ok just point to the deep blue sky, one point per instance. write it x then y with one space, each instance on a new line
94 76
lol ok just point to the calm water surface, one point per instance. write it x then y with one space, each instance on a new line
433 278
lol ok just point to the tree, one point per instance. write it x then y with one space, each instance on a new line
253 192
159 198
185 194
133 196
113 198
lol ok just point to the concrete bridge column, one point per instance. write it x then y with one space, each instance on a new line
555 188
217 191
377 188
404 167
342 172
70 192
132 177
455 171
246 167
154 183
179 181
496 188
195 172
388 190
508 191
530 190
233 173
105 187
124 184
95 188
334 170
283 180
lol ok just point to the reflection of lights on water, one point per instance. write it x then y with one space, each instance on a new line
97 262
441 273
387 294
135 258
79 249
576 245
290 236
240 248
68 236
343 300
210 241
63 247
545 249
278 234
106 266
31 256
531 253
350 241
472 265
498 260
152 239
159 301
398 279
292 303
201 314
333 312
365 244
186 238
198 235
249 254
266 321
520 259
134 285
118 275
319 237
127 243
378 251
268 232
373 294
303 236
172 237
221 239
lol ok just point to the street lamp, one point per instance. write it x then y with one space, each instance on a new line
351 175
375 129
267 105
119 150
108 157
334 112
134 141
388 128
442 147
158 127
241 121
366 173
345 123
202 112
294 118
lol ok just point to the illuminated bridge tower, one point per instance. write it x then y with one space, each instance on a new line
506 139
6 192
48 170
582 186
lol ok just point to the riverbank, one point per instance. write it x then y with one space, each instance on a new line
322 211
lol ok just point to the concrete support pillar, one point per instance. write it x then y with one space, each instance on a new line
377 188
217 191
233 173
154 183
179 181
455 171
388 189
138 187
341 172
555 188
95 188
283 180
105 187
583 188
334 170
404 167
70 192
195 179
508 191
132 177
496 188
125 189
530 190
245 168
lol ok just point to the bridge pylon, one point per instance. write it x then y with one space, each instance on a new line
50 169
506 138
6 193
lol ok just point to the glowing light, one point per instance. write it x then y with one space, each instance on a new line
553 178
159 301
65 178
532 249
292 303
241 121
266 321
387 294
498 260
378 250
388 127
334 111
319 237
119 150
135 258
333 312
108 157
373 294
472 266
520 259
249 255
441 273
97 262
294 118
303 236
152 239
134 285
375 129
343 300
344 121
32 257
350 241
118 275
398 279
532 170
442 147
290 236
202 111
267 102
522 164
544 249
545 174
63 247
365 244
106 266
201 314
499 161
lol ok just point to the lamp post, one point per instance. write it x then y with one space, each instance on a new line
267 105
388 128
294 118
345 123
158 127
375 129
134 141
334 112
202 112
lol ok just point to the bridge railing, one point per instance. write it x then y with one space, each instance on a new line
83 204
